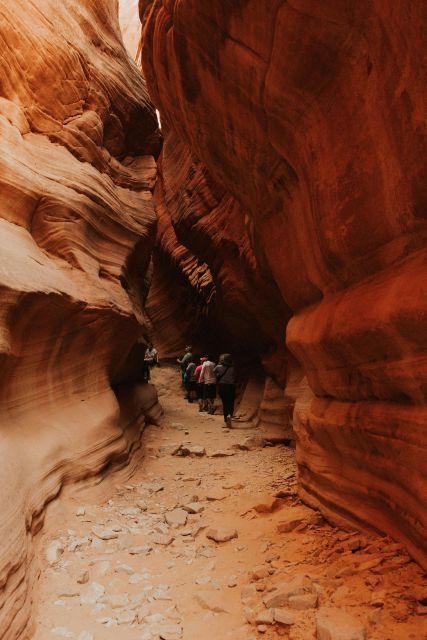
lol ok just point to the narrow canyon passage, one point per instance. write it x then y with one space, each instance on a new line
144 554
247 177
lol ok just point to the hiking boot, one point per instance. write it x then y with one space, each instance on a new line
228 422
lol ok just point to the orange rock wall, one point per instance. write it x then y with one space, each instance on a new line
77 137
310 120
202 230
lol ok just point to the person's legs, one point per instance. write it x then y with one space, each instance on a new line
229 398
200 395
232 400
211 395
223 396
207 403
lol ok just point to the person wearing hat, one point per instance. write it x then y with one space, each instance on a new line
224 372
184 362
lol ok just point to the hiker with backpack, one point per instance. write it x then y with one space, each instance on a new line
224 372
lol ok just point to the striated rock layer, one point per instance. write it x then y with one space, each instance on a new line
77 137
309 120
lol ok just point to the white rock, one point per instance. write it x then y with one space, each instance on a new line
142 550
116 601
126 617
103 568
161 527
176 518
80 511
77 543
161 594
298 585
54 552
170 631
155 487
92 593
136 578
265 617
105 620
154 618
124 568
86 635
193 507
129 511
221 534
98 607
105 533
162 539
62 632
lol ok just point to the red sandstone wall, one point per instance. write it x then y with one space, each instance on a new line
311 119
76 169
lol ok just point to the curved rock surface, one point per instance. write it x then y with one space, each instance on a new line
309 120
130 26
77 137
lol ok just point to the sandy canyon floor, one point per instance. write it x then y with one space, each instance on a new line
199 546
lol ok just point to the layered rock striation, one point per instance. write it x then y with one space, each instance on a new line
306 122
77 226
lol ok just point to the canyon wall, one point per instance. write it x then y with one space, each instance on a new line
77 226
292 197
130 26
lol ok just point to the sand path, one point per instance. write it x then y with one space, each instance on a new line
132 557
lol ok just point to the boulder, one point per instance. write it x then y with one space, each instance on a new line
337 624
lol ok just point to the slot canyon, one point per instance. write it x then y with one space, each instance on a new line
246 177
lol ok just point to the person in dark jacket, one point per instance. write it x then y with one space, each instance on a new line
184 362
224 372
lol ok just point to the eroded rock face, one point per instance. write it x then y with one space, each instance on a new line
309 118
77 137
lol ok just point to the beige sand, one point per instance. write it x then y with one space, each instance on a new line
194 585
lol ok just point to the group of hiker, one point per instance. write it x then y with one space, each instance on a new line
202 378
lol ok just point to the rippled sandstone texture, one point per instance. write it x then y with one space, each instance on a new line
77 134
309 119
